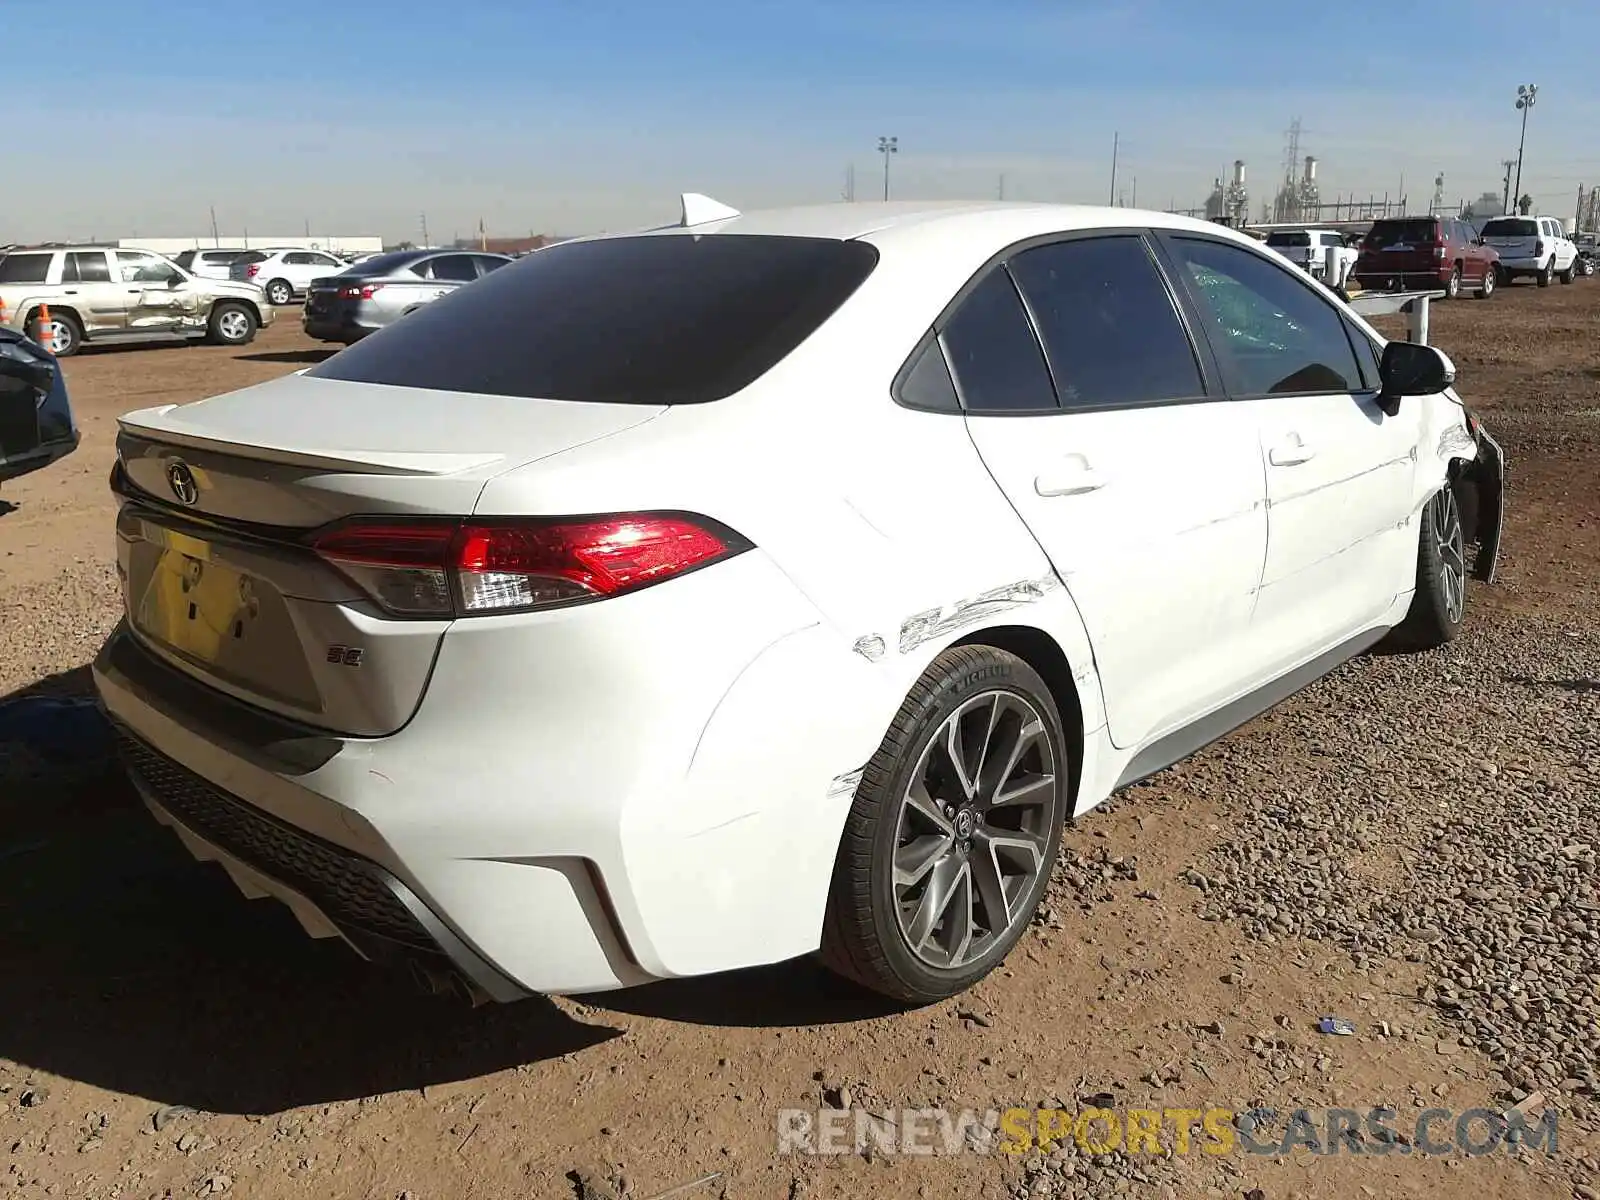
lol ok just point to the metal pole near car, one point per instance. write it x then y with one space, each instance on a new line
1527 93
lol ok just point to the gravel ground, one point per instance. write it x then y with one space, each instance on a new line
1409 845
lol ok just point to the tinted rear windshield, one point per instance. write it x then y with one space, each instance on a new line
1511 227
24 268
1411 232
1291 238
248 257
651 319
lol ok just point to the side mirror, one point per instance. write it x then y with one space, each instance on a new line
176 281
1413 369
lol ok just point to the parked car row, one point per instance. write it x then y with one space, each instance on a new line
1440 253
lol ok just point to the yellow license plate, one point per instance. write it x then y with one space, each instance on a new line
192 603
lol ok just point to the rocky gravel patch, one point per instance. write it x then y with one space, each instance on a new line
1446 812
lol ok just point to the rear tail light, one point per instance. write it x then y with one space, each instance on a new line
472 568
251 271
359 292
1538 249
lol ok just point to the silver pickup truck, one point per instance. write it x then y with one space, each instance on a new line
99 296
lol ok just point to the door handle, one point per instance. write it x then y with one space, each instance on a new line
1291 453
1074 477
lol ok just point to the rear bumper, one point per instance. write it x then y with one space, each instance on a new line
19 465
333 329
1379 280
1522 266
634 795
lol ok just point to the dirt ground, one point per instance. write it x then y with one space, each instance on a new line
141 990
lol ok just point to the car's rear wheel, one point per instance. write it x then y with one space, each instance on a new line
1490 282
1571 272
279 292
232 325
1546 273
953 830
64 338
1452 287
1439 605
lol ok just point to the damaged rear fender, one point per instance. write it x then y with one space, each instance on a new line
1035 619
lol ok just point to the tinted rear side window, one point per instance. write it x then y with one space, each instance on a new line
1110 330
248 257
993 352
88 267
654 319
24 268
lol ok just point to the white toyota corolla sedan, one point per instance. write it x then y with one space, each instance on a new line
768 583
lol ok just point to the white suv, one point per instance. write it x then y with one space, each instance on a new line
1536 246
284 274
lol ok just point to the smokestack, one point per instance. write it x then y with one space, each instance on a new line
1238 171
1311 168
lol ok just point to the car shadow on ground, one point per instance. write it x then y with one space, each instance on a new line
289 356
131 967
797 993
7 508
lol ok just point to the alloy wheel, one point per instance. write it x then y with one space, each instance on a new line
58 338
1445 521
233 325
974 829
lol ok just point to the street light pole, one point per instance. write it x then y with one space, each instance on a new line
1527 93
886 147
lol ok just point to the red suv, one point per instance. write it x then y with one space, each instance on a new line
1426 254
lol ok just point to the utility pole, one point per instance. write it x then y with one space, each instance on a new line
1508 164
308 228
1000 190
850 183
1135 202
483 236
887 146
425 242
216 240
1527 93
1116 139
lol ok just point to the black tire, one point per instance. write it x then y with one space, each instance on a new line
68 334
1546 273
1571 272
863 937
1491 280
1452 287
231 325
1438 607
279 292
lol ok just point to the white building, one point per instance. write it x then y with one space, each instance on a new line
171 246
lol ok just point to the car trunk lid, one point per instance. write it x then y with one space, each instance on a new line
220 500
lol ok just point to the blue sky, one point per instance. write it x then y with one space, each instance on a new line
360 115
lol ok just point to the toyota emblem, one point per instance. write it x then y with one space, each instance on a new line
181 480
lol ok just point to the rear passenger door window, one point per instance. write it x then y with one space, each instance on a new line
1112 335
993 353
457 267
1274 334
86 267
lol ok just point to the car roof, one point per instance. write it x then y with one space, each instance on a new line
996 221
